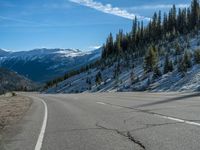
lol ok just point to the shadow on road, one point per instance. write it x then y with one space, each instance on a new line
170 100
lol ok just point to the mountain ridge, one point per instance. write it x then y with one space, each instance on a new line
44 64
11 81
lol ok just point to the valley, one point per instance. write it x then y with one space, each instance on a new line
130 82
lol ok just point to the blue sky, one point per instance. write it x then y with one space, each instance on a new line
82 24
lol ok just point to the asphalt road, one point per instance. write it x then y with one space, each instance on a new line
109 121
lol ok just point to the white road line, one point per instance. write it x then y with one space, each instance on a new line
162 116
178 120
101 103
38 146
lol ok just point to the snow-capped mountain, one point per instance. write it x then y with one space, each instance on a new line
3 53
44 64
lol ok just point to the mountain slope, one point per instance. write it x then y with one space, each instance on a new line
163 55
44 64
122 77
11 81
3 53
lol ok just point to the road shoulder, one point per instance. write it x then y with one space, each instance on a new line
23 133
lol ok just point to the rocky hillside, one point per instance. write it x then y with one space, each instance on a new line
11 81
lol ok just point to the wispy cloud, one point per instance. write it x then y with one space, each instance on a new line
158 6
23 21
109 9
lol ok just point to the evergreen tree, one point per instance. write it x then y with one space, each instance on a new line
170 67
98 79
184 63
132 77
134 29
166 65
156 72
187 59
159 24
109 43
165 24
177 48
116 71
151 58
194 13
197 56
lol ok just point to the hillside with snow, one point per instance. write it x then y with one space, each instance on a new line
135 78
41 65
163 55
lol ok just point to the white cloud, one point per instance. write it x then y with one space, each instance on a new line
109 9
158 6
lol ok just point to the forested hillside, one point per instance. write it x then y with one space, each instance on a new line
162 55
160 30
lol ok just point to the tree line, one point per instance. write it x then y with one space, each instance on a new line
161 27
142 41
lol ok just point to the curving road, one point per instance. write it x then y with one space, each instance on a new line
109 121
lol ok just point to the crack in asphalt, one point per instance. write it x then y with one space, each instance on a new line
126 134
143 111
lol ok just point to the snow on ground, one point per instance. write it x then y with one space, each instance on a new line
169 82
173 81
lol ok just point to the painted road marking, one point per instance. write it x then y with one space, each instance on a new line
178 120
38 146
101 103
156 114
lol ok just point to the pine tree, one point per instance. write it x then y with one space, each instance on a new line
170 67
98 79
166 65
187 59
116 71
197 56
165 24
110 43
159 24
174 17
177 48
194 13
104 52
134 29
132 77
151 59
184 63
156 72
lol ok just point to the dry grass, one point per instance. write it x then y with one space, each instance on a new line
12 108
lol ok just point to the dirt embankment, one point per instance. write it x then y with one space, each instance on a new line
12 109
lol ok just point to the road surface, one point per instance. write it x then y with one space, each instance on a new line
109 121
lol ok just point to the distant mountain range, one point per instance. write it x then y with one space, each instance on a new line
41 65
11 81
